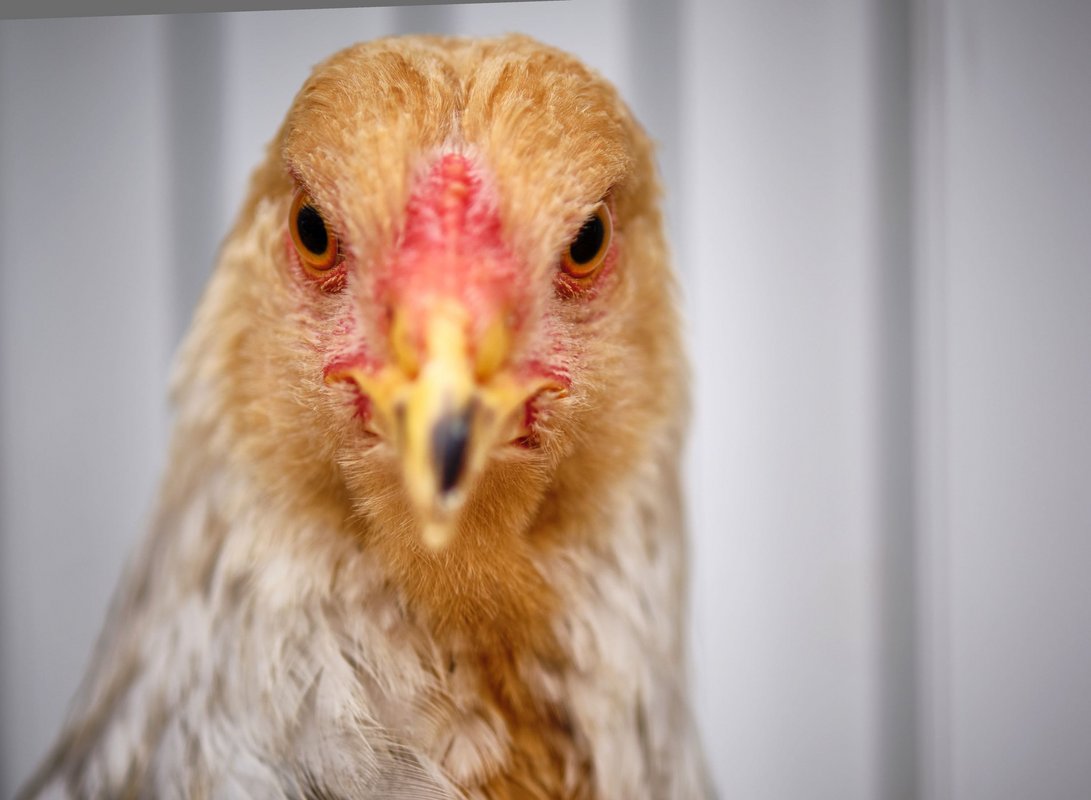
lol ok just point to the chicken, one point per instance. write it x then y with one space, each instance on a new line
420 533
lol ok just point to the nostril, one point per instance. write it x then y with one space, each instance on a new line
450 438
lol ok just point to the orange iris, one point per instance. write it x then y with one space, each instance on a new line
314 241
585 253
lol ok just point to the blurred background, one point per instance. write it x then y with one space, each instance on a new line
881 214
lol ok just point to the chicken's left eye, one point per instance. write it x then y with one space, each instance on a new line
586 252
314 241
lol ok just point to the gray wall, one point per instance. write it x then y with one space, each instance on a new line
880 216
1008 359
85 311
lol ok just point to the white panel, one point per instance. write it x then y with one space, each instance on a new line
930 332
778 156
84 263
1016 250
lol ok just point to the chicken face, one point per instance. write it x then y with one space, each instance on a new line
459 377
466 258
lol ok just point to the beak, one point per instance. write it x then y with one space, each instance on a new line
446 406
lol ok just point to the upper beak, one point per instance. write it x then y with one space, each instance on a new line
446 403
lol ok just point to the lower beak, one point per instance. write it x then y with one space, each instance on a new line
447 412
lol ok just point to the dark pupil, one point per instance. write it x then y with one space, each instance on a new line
312 230
588 241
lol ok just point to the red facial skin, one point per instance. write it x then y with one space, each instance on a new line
452 247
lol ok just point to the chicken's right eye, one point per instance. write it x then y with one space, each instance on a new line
314 241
